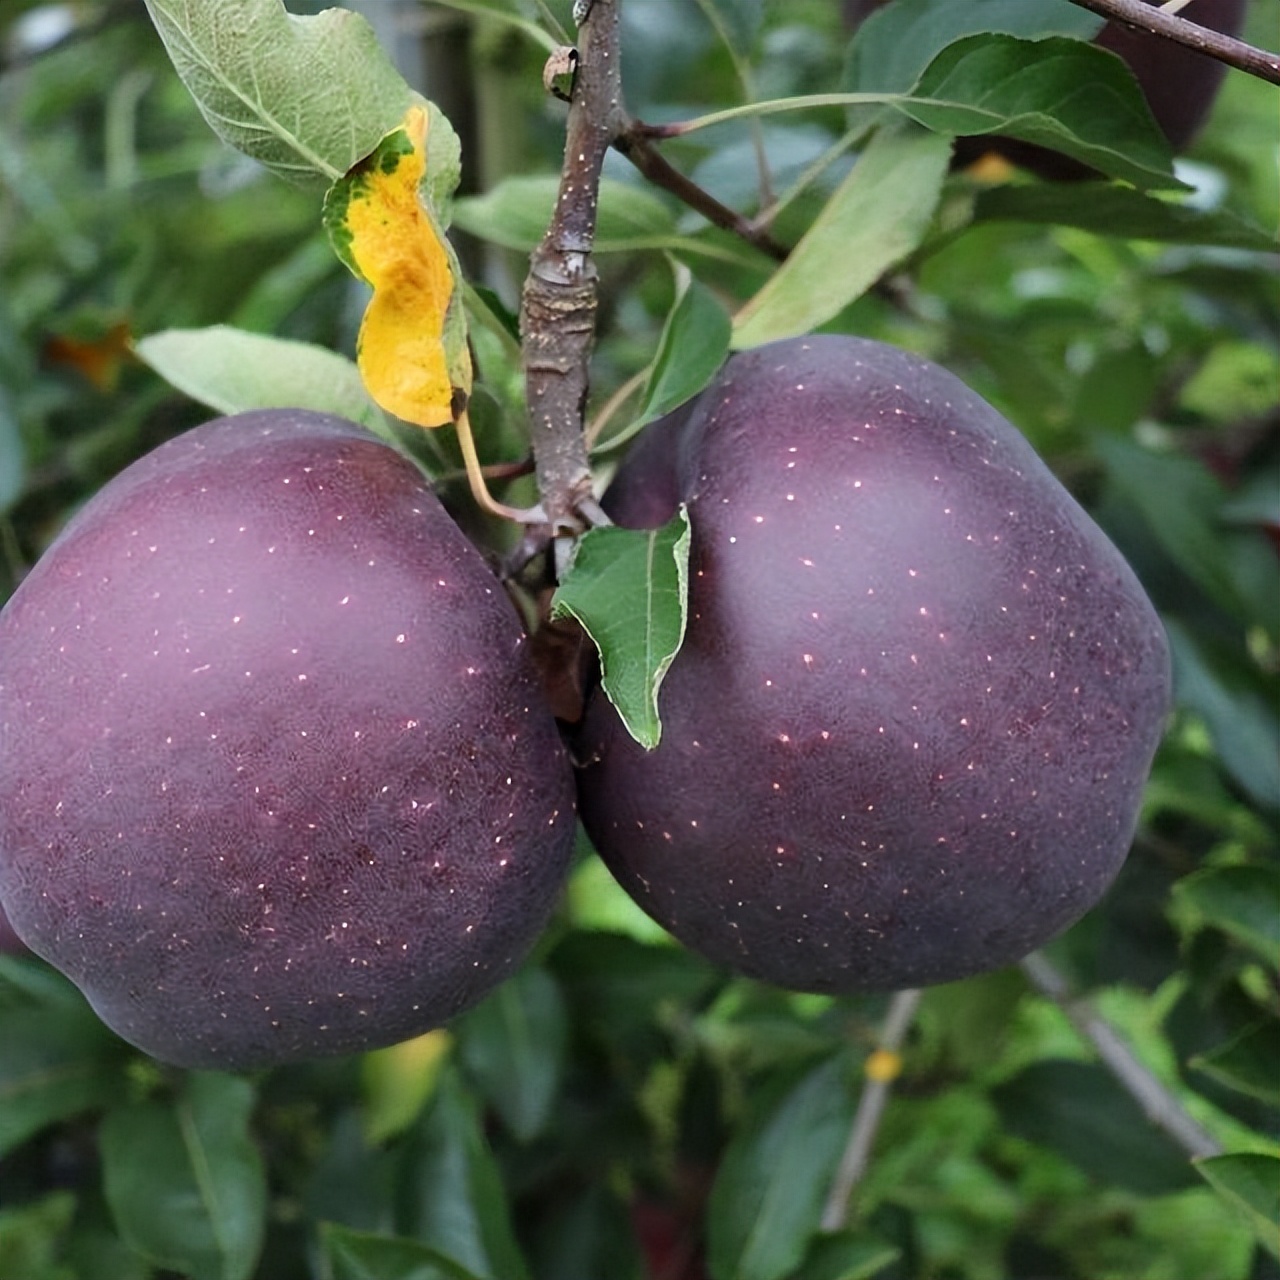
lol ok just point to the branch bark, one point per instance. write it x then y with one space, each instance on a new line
1149 17
558 306
634 143
1158 1104
881 1070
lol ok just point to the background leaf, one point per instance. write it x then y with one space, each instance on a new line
693 346
1030 89
877 216
1250 1184
12 453
892 46
399 1080
233 372
738 20
515 211
1080 1111
1241 719
1242 901
1248 1062
1110 210
848 1255
31 1238
305 96
185 1181
513 1045
360 1255
452 1193
56 1058
629 589
769 1190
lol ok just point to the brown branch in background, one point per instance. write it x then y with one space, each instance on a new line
558 307
881 1069
1149 17
634 143
1157 1102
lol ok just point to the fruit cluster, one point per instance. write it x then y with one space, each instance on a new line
277 778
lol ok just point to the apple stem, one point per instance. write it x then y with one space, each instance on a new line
1159 1105
479 487
1164 22
881 1069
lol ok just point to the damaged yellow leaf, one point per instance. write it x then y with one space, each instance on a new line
412 349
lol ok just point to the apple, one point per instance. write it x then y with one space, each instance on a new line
277 780
907 735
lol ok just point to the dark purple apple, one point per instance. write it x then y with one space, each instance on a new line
908 732
276 777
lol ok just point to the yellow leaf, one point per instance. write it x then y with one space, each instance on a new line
410 355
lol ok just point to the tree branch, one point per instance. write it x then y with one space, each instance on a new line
1158 1104
558 306
1149 17
635 144
882 1069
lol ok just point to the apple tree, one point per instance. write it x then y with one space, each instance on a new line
641 639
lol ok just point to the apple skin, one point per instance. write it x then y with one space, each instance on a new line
907 735
276 777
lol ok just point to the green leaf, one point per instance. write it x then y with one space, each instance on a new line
93 1249
629 588
892 48
1238 379
587 1236
597 902
24 980
1179 499
1080 1110
618 988
1109 210
454 1199
767 1198
877 216
397 1081
1248 1062
31 1237
185 1181
1256 501
738 22
360 1255
353 1182
305 96
848 1255
12 453
56 1058
1241 721
693 345
1242 901
513 1044
1250 1182
515 213
1032 89
233 371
